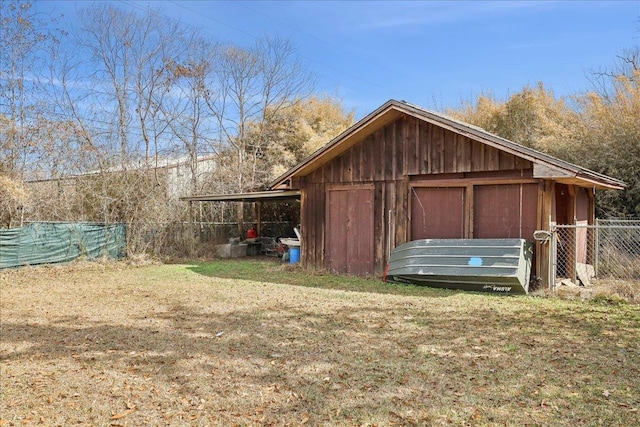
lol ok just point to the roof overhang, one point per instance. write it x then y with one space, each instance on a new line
545 166
258 196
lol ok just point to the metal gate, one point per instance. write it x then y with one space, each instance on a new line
610 249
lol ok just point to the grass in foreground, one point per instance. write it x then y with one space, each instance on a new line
259 343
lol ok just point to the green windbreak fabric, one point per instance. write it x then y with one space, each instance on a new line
49 242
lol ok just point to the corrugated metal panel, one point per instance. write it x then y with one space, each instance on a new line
489 265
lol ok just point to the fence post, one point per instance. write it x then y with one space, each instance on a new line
553 254
574 268
190 229
596 255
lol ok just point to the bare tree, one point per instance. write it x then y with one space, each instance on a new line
129 53
183 108
252 85
626 66
255 85
26 47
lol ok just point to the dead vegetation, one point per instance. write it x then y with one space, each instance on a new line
117 344
612 291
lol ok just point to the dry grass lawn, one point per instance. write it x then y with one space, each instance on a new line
257 343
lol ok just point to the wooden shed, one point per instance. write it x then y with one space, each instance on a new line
404 173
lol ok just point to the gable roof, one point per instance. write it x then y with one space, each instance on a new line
544 166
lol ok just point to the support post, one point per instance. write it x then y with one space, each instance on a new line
545 262
190 243
596 249
553 258
240 216
259 216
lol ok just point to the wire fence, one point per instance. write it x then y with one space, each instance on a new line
583 253
173 239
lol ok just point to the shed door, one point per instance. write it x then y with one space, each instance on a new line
505 211
349 238
437 213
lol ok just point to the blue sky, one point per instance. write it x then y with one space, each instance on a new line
432 54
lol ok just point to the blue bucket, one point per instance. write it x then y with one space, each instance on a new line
294 254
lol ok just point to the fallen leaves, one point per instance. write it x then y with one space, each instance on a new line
131 408
286 355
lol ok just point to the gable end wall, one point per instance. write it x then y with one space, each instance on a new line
388 158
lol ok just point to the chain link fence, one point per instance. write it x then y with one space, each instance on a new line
172 239
583 253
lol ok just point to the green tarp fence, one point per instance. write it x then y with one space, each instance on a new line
54 242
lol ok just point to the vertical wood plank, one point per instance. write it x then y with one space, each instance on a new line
483 157
449 152
436 136
492 159
379 153
373 154
388 153
428 149
507 161
345 171
319 228
418 144
319 213
367 160
475 156
423 152
401 142
469 209
321 194
394 151
356 162
441 151
378 230
309 227
391 203
325 174
337 170
308 244
464 154
408 166
402 215
350 162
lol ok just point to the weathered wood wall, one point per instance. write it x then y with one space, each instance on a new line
390 158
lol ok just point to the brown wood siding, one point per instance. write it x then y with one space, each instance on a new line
408 147
389 159
582 205
563 211
437 213
337 207
313 213
505 211
349 230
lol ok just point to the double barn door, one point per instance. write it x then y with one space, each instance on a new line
480 211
